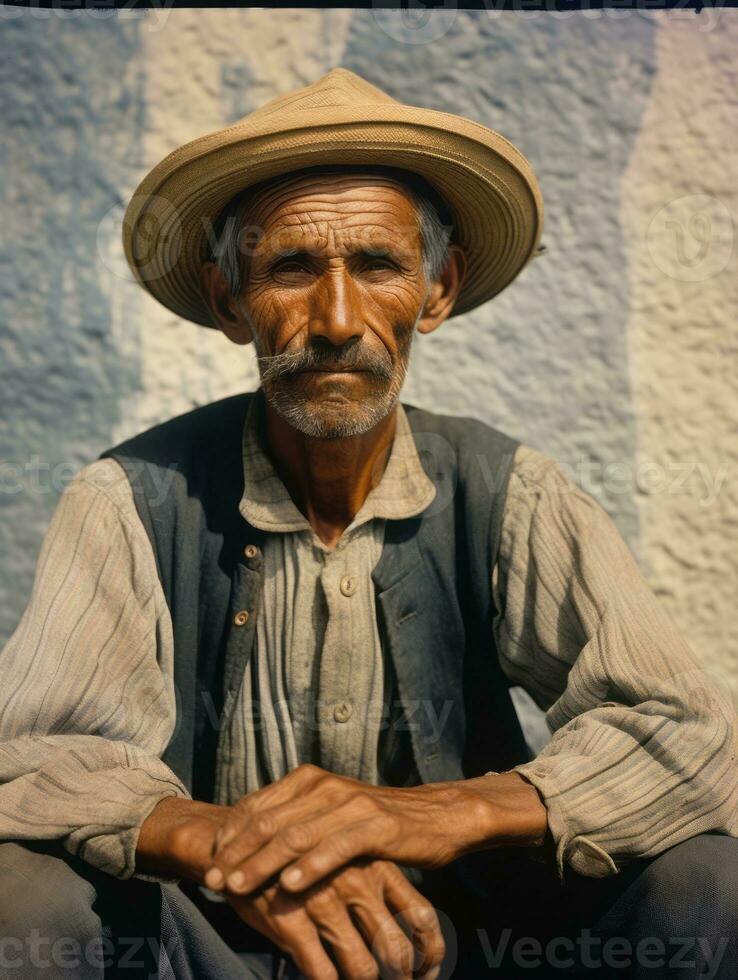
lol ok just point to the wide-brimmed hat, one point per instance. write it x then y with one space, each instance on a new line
490 187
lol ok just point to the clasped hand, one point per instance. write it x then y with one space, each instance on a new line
313 822
341 837
362 913
314 857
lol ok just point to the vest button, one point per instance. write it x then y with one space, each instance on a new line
342 711
251 551
241 617
348 585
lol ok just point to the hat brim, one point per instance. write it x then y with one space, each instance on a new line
488 184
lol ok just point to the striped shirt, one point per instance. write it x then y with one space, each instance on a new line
642 748
314 689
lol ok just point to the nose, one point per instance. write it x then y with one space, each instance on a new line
336 312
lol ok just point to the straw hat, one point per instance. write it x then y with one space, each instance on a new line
341 118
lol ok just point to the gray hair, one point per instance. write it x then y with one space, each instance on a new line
434 220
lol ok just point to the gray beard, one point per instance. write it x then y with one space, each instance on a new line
334 420
328 419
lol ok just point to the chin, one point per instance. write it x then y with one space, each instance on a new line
336 417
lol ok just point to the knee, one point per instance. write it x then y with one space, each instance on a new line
692 886
43 897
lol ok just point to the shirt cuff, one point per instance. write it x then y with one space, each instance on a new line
572 848
115 853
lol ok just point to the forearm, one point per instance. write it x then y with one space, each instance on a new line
500 809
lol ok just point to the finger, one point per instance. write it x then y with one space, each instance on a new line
262 828
337 848
288 925
386 940
418 915
308 787
293 785
331 836
334 924
309 954
312 960
260 852
255 819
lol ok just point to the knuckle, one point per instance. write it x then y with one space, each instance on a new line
321 903
326 782
364 805
307 769
298 837
229 854
341 846
265 825
385 871
351 878
426 916
436 952
436 949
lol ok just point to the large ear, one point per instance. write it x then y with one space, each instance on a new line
225 309
443 291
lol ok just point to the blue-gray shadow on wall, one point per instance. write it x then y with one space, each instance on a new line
72 110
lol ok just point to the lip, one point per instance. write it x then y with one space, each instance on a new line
332 371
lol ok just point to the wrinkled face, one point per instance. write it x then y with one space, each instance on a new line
334 287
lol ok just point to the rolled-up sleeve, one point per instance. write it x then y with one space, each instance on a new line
87 702
643 748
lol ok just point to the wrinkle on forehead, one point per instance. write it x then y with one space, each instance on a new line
327 194
308 214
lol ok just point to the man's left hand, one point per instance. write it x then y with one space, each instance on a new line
313 822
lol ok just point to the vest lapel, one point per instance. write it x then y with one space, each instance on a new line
422 633
245 592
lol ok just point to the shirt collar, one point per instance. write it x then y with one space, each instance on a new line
403 491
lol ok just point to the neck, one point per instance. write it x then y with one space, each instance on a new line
329 479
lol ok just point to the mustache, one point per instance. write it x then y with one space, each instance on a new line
355 358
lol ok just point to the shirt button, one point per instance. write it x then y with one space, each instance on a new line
342 711
348 585
251 551
241 617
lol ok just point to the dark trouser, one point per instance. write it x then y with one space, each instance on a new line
672 916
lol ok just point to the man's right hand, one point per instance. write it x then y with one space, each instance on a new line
362 913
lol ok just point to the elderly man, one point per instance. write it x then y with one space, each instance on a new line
256 718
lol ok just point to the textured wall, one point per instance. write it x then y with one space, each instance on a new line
615 352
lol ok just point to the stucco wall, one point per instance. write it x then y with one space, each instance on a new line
615 352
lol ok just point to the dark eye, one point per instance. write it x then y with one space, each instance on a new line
380 262
289 265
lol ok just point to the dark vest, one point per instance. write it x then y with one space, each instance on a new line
432 587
